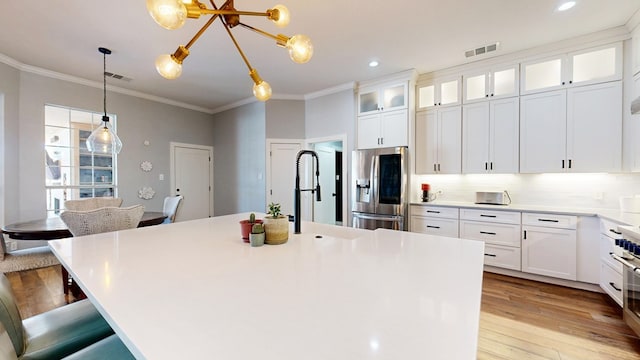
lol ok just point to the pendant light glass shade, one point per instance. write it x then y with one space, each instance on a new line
103 139
300 48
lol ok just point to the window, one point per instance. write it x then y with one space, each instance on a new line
72 172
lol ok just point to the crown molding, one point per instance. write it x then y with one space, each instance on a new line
331 90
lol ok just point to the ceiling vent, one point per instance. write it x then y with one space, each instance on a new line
117 76
481 50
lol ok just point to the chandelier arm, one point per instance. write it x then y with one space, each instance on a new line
233 12
235 42
205 27
280 39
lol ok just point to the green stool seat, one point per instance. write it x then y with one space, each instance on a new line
106 349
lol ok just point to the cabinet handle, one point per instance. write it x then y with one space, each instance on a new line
569 163
570 81
491 165
525 235
489 216
549 220
487 95
491 255
563 83
433 227
434 168
491 94
433 211
381 141
438 167
563 164
486 166
435 104
487 233
614 286
615 232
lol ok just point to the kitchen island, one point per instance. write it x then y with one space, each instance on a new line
194 290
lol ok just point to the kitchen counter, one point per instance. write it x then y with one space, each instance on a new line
349 294
629 219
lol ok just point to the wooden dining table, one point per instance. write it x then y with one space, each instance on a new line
54 228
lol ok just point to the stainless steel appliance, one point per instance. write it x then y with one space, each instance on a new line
379 188
628 253
493 197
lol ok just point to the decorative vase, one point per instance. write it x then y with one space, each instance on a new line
277 230
256 239
245 228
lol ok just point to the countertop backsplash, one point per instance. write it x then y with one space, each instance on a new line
563 190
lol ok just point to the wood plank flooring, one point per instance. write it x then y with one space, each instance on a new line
520 319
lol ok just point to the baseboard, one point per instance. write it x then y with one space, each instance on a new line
545 279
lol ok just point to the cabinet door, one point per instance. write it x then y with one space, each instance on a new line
426 142
475 86
543 132
368 100
426 96
435 226
542 75
448 91
595 65
504 130
504 82
369 131
611 282
394 128
549 252
475 138
594 128
502 256
450 140
394 97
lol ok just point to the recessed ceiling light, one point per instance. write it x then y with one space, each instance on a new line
373 63
566 5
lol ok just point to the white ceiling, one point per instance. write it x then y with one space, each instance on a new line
428 35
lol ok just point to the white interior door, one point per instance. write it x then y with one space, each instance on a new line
192 177
324 211
282 173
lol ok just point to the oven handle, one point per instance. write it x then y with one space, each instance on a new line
625 262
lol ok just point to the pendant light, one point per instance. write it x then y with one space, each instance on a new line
103 139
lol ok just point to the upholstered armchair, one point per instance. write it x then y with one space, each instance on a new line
51 335
92 203
170 208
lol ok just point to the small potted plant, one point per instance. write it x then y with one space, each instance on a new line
276 226
246 225
256 238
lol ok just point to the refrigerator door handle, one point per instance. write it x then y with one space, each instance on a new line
377 217
375 163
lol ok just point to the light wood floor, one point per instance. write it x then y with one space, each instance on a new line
520 319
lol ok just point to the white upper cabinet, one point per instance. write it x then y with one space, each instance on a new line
439 141
589 66
498 82
386 129
439 92
385 97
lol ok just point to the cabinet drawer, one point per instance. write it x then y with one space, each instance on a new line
434 211
606 247
506 217
502 256
496 234
550 220
610 229
611 282
434 226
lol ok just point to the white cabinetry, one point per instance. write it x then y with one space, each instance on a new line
549 245
439 141
500 230
610 270
492 83
384 97
434 220
490 135
576 130
593 65
386 129
439 92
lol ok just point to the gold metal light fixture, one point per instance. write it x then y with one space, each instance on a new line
103 139
172 14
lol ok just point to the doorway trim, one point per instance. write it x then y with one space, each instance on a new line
172 175
267 162
345 156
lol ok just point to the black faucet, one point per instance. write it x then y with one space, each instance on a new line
296 217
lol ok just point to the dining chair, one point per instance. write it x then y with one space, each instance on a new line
98 221
170 208
50 335
106 349
25 259
92 203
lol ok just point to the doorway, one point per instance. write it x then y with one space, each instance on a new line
331 156
192 177
281 172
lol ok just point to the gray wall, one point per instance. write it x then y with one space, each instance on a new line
137 120
285 119
239 159
9 87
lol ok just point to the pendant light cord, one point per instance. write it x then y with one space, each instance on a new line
104 80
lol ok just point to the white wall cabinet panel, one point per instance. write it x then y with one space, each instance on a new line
502 256
385 129
491 137
439 141
491 84
385 97
549 251
439 92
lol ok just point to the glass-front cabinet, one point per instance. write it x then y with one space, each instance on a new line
439 92
589 66
386 97
490 84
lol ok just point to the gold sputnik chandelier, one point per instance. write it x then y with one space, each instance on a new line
172 14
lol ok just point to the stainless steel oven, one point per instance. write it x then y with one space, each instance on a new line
628 254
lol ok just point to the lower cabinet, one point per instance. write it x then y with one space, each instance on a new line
549 250
611 280
502 256
434 220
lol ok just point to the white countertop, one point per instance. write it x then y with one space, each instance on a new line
194 290
628 219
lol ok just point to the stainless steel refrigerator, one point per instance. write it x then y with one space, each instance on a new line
379 188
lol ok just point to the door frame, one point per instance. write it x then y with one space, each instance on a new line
267 162
172 176
345 150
